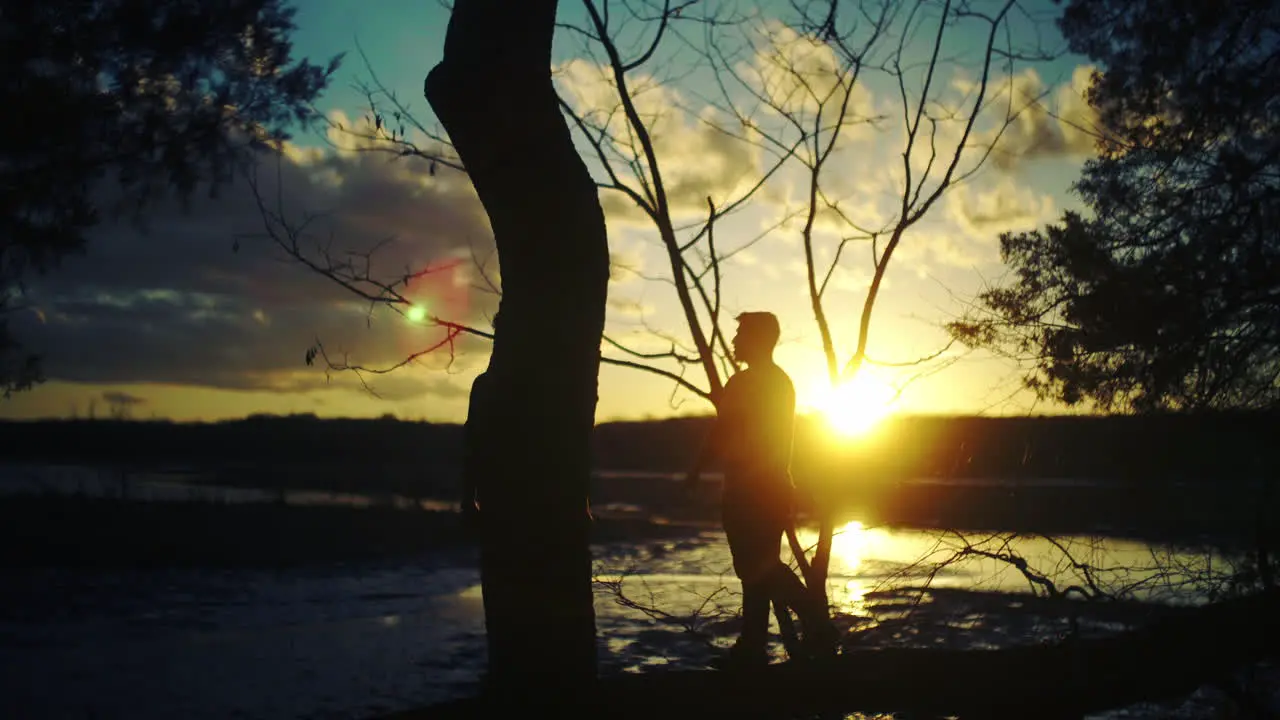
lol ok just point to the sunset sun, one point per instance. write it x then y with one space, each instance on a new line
855 407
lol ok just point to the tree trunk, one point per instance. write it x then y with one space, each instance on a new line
493 94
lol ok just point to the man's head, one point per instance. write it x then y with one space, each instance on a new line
756 337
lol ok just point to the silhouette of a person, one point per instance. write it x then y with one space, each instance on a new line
752 439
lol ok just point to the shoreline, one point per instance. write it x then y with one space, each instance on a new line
71 531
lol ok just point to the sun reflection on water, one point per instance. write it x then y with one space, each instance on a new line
852 544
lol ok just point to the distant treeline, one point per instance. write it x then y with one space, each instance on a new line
293 451
1208 447
398 456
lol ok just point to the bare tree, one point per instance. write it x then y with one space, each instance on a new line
836 49
534 474
792 90
697 266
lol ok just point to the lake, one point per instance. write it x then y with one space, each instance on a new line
350 640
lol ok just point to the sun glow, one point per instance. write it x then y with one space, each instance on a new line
855 407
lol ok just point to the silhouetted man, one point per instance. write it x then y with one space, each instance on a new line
752 439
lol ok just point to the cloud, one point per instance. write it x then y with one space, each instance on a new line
625 265
1005 206
704 159
402 385
849 276
641 340
201 297
700 154
801 76
1048 123
850 279
630 308
924 251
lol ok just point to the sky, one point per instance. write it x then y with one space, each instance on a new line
198 316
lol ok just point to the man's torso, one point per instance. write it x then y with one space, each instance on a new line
758 414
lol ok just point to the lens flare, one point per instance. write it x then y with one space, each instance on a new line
416 313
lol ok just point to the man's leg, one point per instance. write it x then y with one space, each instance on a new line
787 588
755 617
783 586
819 635
754 551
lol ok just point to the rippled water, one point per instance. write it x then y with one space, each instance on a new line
354 640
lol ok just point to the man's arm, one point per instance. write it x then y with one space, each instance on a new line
473 444
713 443
710 447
